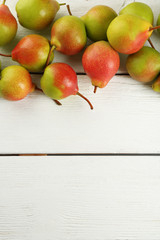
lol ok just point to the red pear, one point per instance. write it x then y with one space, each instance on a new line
8 25
100 62
68 35
60 81
32 52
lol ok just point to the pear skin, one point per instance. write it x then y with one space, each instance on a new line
100 62
36 14
59 81
140 10
144 65
32 52
15 83
156 85
8 25
97 20
128 33
158 22
68 35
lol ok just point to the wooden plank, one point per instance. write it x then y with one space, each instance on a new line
82 198
125 119
78 8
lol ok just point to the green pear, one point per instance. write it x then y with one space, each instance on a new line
97 20
36 14
15 83
144 65
128 33
158 22
156 85
140 10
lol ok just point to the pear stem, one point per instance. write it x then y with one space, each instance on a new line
62 4
5 55
95 89
154 28
56 101
49 55
150 42
69 10
4 1
90 104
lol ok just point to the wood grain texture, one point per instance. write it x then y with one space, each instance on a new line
125 119
80 198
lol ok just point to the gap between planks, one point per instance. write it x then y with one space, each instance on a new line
81 154
81 74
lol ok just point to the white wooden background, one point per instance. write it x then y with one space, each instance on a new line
110 197
125 118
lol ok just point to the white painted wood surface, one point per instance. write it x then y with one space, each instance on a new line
125 118
80 198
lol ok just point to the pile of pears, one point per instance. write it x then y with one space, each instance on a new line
110 34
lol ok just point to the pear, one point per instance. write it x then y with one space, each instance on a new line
144 65
97 20
32 52
8 25
36 14
156 85
140 10
128 33
158 22
15 83
100 62
68 35
60 81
